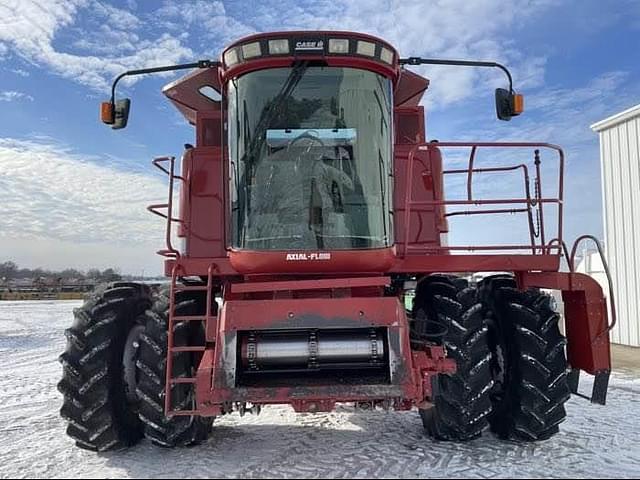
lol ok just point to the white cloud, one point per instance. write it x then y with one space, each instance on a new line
20 71
559 99
30 28
12 95
209 18
51 194
123 19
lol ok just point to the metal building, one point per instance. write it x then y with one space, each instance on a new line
620 166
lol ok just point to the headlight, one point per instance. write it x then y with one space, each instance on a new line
279 47
251 50
231 57
386 55
338 45
366 48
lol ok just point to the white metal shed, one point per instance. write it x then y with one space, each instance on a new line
620 164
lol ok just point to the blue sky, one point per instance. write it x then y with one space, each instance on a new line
74 192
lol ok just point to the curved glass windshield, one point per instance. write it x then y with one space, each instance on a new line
310 152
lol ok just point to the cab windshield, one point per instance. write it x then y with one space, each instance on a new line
310 153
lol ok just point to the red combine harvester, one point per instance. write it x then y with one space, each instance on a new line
311 209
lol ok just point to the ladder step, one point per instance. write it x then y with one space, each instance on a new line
190 288
189 318
187 349
183 380
177 413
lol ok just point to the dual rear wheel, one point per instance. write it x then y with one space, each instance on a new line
511 372
114 369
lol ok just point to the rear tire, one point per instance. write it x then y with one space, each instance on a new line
461 403
100 416
151 367
529 365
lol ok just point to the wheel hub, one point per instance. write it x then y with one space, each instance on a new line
129 358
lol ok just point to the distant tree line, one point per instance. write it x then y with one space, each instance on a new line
11 271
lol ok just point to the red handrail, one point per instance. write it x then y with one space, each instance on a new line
157 209
536 201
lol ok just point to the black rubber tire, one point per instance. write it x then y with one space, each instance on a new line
530 365
461 403
178 430
95 403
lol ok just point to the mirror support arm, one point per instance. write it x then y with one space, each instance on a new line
168 68
463 63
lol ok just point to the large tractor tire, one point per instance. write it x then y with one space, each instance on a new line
100 411
447 310
178 430
114 370
529 365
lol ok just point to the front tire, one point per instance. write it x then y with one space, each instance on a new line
151 366
461 403
99 413
530 365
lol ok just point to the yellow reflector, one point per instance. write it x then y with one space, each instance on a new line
251 50
106 113
231 57
366 48
278 47
518 103
339 45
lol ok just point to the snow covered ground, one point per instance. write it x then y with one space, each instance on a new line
595 441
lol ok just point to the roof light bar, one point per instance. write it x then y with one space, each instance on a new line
284 46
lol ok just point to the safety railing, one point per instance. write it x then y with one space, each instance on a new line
165 210
532 204
571 264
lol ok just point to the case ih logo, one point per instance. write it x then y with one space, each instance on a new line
310 45
308 256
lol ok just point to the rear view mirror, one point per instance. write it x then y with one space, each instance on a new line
116 114
121 114
508 104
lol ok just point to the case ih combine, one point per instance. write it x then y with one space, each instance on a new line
309 208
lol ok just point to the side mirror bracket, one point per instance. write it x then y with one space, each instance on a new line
116 113
508 103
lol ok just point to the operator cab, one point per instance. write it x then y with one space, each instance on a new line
310 155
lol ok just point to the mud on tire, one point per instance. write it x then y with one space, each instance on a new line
95 403
529 364
461 403
151 369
